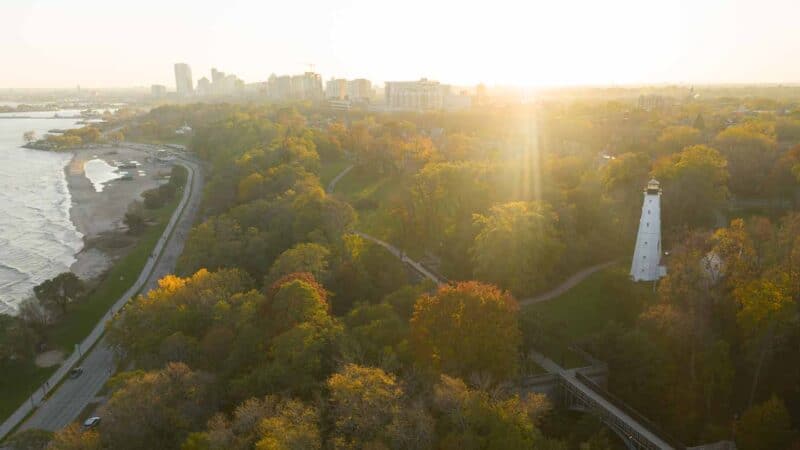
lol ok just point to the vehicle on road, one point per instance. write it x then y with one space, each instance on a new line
91 422
75 372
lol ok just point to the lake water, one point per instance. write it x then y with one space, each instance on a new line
100 172
37 238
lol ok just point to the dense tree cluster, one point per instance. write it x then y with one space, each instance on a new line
284 330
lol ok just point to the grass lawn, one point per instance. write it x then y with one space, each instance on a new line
361 184
607 295
371 195
18 380
84 315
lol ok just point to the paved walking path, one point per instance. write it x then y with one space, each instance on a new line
74 394
619 417
403 257
570 283
332 184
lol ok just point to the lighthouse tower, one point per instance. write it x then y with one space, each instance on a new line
646 265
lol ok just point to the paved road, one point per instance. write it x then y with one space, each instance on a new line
74 395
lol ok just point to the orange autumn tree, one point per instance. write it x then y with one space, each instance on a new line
467 329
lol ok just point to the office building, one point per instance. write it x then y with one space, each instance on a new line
183 79
419 95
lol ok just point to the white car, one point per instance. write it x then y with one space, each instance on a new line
91 422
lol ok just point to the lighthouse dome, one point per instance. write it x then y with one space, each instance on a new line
653 186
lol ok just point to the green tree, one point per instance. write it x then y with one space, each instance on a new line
57 293
292 426
472 419
695 185
305 257
699 123
766 312
30 439
364 402
676 138
270 423
72 437
518 246
765 426
157 409
134 219
376 335
466 329
750 154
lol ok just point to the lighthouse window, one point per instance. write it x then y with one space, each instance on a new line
648 224
644 256
645 242
648 212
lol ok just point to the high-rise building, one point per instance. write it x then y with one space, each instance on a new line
336 88
183 79
307 86
203 86
359 90
312 86
279 88
416 95
217 76
158 90
646 264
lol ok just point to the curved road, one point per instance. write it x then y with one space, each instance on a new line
71 397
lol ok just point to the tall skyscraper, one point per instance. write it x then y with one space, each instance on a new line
646 264
183 79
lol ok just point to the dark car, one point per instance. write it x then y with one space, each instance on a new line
75 372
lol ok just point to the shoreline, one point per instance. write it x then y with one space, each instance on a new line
98 216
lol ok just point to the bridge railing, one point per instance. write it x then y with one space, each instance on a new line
634 414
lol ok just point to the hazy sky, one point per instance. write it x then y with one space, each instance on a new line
111 43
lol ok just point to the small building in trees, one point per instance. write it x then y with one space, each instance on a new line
646 264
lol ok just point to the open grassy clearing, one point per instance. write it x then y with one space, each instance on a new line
605 296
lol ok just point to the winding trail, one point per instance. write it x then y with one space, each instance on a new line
634 432
568 284
59 400
332 184
403 257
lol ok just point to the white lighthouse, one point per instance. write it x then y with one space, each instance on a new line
646 265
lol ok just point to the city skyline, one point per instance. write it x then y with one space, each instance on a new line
620 42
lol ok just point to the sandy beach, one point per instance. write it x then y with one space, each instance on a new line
99 215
